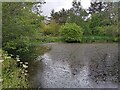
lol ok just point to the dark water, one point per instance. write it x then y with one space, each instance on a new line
76 66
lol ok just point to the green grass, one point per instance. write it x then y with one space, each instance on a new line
47 39
87 39
12 74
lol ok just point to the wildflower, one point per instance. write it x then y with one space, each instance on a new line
25 74
21 62
1 80
26 71
22 72
25 66
26 62
11 55
17 55
8 57
6 54
1 61
18 60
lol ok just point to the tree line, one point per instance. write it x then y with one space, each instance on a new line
99 21
23 25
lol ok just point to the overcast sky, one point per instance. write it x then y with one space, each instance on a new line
59 4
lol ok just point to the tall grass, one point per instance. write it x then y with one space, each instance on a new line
12 75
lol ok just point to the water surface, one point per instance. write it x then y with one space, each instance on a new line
76 66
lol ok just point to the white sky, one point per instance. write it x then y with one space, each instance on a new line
59 4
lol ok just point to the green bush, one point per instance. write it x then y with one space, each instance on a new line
112 30
71 32
20 28
101 30
51 29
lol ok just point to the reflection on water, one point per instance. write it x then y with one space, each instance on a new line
76 66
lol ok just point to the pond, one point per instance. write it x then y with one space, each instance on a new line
76 66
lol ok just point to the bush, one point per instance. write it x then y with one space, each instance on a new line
112 30
100 30
20 28
51 29
71 32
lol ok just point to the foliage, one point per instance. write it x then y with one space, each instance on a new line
111 31
71 32
49 39
51 29
96 7
78 15
100 39
23 27
100 20
12 74
60 17
103 19
20 27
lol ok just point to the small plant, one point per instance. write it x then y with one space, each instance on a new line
71 32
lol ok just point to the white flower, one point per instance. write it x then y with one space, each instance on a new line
22 71
17 55
11 55
21 62
6 54
25 74
8 57
25 66
26 62
1 61
26 71
18 60
1 80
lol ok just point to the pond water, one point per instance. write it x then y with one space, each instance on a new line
76 66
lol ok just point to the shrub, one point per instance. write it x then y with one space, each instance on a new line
20 28
51 29
71 32
100 30
111 30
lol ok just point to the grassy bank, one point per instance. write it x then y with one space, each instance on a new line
101 39
85 39
15 71
12 75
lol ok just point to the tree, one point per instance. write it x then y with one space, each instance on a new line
79 16
96 7
60 17
71 32
103 14
20 28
